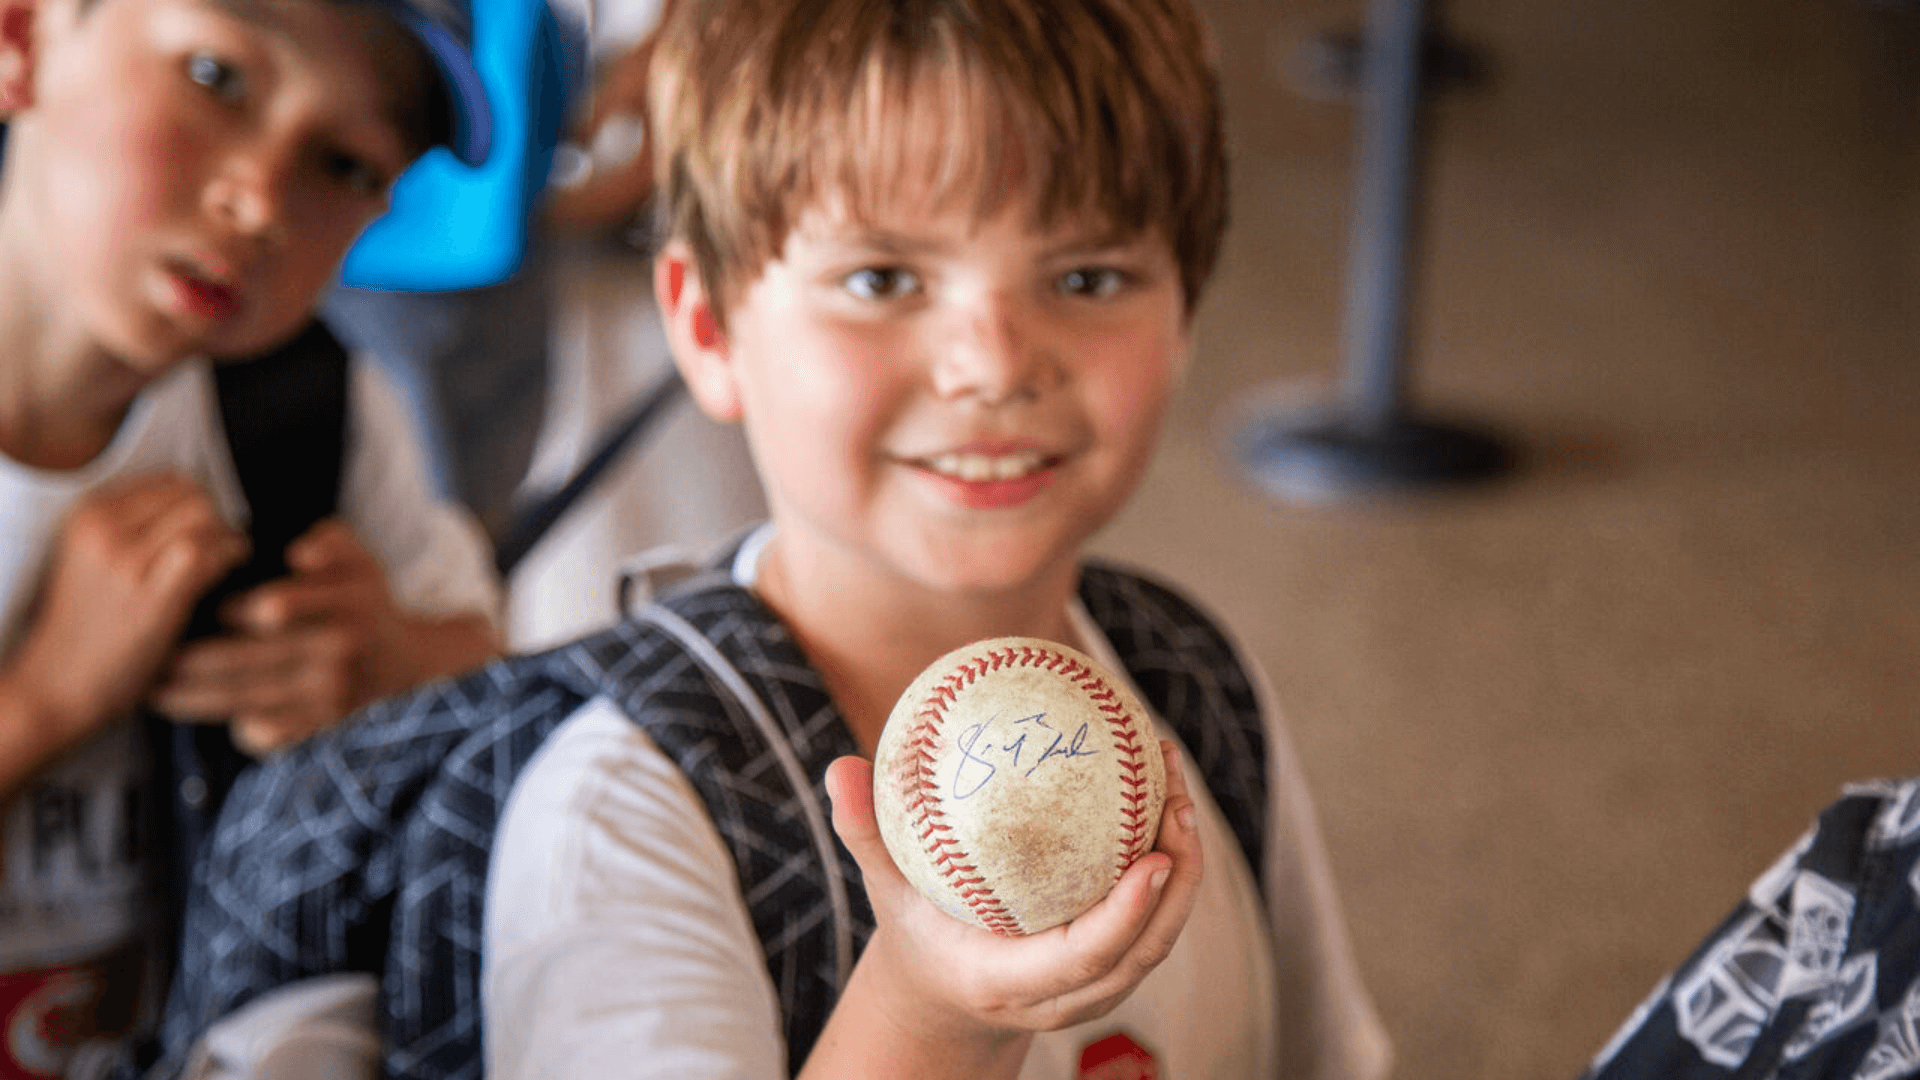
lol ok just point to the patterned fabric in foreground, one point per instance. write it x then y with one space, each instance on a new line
1815 975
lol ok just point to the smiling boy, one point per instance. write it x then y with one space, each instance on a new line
940 260
181 181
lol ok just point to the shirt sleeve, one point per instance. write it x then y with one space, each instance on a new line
617 941
437 560
1339 1029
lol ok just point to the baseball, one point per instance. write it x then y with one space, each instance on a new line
1015 781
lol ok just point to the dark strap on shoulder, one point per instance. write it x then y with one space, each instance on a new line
797 897
285 418
1192 678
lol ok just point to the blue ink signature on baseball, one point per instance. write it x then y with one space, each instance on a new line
979 764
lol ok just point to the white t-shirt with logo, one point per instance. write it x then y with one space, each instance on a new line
71 884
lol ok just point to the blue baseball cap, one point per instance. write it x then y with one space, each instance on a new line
445 28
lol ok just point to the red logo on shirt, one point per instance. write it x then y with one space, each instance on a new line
1117 1057
47 1014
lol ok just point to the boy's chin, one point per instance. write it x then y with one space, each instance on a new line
247 343
158 350
151 356
994 570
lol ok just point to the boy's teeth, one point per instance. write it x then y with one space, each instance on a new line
977 468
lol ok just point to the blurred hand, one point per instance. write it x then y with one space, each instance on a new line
305 650
615 173
128 566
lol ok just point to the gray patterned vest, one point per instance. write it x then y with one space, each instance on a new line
366 849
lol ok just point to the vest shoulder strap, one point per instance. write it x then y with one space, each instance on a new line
1191 675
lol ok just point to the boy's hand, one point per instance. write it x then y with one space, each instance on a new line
619 176
307 649
126 570
971 993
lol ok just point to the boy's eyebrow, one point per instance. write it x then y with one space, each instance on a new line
883 240
253 12
894 243
1105 239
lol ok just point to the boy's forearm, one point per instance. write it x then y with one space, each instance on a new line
871 1036
32 732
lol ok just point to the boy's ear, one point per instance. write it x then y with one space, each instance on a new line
699 346
17 54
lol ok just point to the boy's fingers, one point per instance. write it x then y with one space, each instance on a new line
330 544
260 734
211 705
142 518
1073 963
1102 954
229 660
850 790
187 564
288 602
334 576
850 787
193 518
226 677
1161 888
136 502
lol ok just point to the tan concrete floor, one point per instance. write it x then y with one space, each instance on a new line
1556 726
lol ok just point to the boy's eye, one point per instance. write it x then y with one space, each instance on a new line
881 282
1092 281
356 174
216 75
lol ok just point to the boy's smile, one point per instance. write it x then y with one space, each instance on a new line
957 403
184 176
989 477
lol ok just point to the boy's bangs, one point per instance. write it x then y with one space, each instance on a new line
957 121
918 138
1102 111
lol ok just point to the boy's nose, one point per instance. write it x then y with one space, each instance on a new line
248 192
994 355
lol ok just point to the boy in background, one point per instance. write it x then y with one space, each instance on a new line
182 180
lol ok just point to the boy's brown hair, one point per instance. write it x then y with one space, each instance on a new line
763 108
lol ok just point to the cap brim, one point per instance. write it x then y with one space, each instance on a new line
472 116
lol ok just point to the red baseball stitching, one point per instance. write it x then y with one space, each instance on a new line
917 782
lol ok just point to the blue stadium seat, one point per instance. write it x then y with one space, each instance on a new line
453 226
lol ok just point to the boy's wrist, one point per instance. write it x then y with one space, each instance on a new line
886 1025
937 1021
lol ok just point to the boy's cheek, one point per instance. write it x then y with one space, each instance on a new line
1134 413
